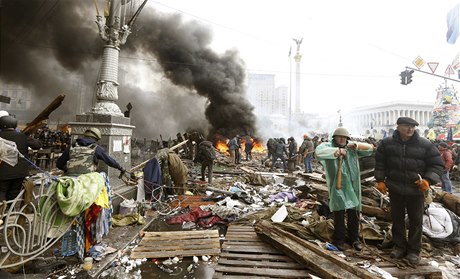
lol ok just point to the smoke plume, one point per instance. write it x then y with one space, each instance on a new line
53 47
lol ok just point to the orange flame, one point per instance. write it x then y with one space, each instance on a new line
221 146
258 146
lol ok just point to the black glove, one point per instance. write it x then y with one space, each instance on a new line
122 173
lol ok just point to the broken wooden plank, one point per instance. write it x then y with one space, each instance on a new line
250 257
427 271
322 261
281 273
177 244
314 176
247 170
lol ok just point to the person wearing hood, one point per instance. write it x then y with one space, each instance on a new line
85 155
12 177
339 157
405 167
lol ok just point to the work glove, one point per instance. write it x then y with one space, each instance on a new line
122 173
423 185
381 187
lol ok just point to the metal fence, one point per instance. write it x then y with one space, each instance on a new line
30 224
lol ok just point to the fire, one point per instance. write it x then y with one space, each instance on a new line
258 146
221 146
221 142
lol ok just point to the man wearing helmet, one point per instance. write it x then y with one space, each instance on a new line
12 177
339 157
85 155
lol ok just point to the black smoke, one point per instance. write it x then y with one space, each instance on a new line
53 47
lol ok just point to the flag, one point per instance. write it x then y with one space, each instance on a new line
453 25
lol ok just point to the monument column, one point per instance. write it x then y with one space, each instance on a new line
105 115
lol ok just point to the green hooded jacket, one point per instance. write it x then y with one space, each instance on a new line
349 196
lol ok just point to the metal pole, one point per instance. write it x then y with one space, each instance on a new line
446 78
290 93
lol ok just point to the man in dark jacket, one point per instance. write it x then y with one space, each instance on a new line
85 155
406 164
280 150
271 146
206 156
12 177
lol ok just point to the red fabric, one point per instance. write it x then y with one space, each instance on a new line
91 215
209 222
191 216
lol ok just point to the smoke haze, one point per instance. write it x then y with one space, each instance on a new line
167 70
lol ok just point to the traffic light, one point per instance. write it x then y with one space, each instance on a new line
403 76
409 76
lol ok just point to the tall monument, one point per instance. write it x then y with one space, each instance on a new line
297 58
116 129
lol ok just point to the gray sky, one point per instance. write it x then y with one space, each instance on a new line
352 51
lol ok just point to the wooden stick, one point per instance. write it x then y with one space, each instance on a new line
338 182
145 162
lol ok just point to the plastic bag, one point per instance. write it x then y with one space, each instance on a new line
8 152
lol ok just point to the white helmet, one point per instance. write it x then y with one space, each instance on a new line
3 113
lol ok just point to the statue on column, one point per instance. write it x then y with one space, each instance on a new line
298 42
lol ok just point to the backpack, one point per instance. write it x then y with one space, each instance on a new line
206 152
81 159
271 144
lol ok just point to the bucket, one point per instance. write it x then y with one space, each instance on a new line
128 207
291 164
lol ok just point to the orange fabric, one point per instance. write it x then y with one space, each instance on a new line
381 187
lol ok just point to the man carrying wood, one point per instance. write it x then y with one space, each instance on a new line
339 157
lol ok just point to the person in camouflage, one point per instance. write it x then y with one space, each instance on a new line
173 171
85 155
306 152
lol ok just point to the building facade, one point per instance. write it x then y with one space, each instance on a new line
380 120
265 97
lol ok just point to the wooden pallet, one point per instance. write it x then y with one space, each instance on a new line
177 244
245 255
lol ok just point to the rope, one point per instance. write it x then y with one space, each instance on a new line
54 178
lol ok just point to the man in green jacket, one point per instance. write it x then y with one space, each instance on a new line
339 157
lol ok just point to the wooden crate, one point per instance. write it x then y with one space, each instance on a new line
177 244
245 255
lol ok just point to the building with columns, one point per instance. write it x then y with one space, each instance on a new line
378 120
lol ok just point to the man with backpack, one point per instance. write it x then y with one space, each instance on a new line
271 145
206 156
